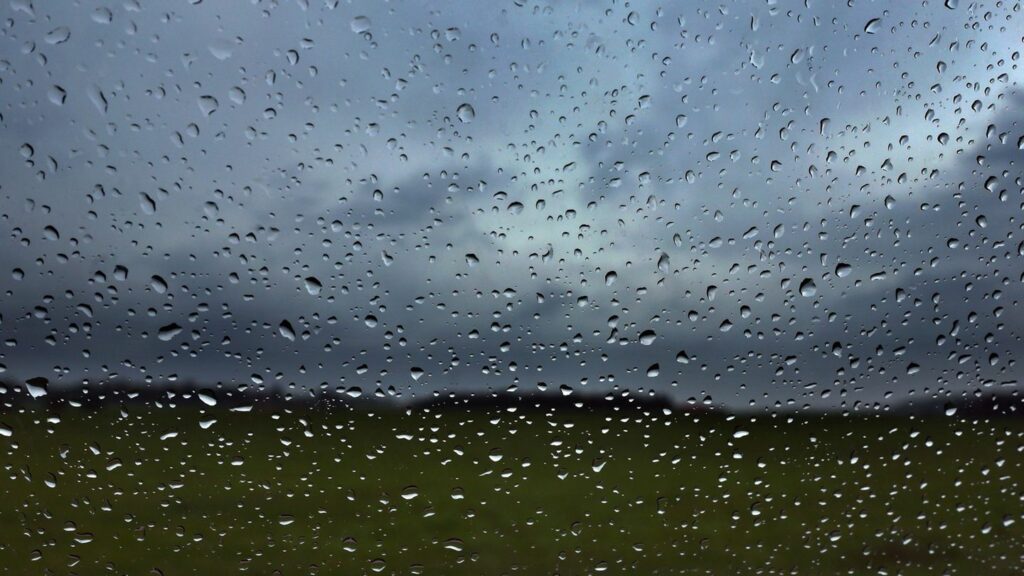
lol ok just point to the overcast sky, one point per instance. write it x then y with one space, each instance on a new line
793 203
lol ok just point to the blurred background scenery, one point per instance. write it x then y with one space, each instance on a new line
512 287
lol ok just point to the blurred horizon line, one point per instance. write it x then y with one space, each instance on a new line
38 392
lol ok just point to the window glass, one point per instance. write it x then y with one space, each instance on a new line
511 287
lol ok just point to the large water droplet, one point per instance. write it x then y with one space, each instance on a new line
466 113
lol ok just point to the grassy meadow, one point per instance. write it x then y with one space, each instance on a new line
142 489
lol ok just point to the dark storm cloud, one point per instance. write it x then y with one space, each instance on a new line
239 153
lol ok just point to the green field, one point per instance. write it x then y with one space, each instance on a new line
146 490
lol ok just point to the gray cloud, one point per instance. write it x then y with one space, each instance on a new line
236 153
